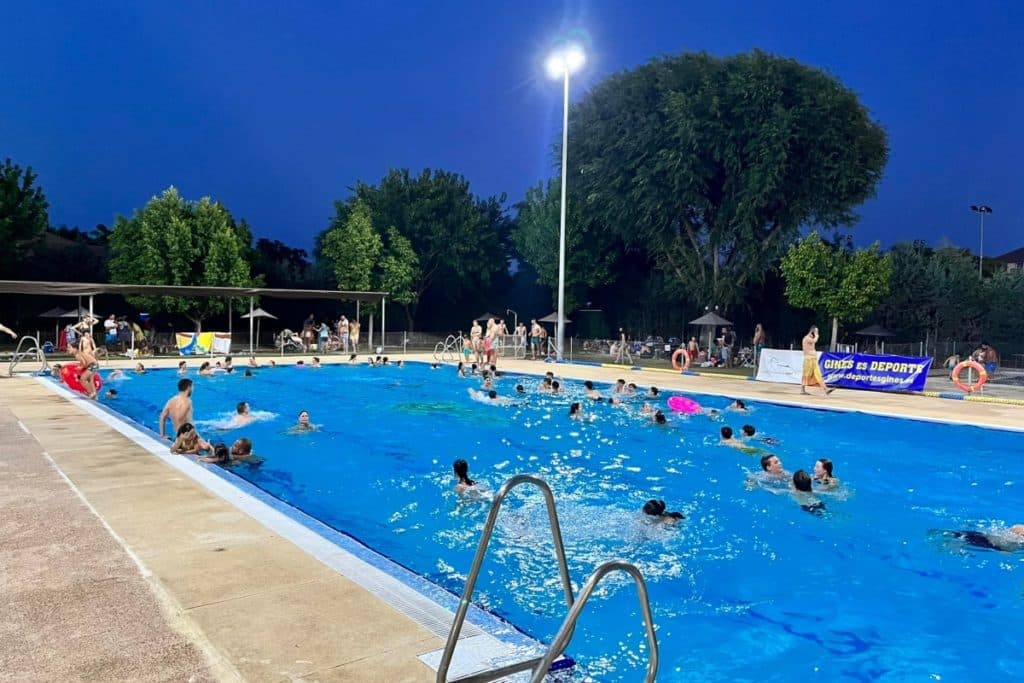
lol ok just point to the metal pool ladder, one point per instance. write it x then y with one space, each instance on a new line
33 352
541 665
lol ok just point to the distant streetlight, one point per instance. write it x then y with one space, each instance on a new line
560 64
981 210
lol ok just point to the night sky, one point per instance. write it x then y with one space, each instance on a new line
277 108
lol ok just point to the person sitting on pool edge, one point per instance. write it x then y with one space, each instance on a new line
656 509
823 474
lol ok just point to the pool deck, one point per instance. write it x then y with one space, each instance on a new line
115 566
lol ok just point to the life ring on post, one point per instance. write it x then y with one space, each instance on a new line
675 360
977 367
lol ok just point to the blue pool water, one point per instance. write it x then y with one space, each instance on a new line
749 587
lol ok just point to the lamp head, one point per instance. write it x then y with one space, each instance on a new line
567 59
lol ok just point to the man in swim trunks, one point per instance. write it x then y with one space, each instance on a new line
242 415
474 341
812 373
84 355
178 408
534 338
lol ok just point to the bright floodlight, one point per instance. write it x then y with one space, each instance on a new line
567 59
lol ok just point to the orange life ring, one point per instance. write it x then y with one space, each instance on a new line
977 367
675 360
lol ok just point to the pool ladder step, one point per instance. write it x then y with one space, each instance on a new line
541 666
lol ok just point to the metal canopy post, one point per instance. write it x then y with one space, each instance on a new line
383 305
355 349
250 326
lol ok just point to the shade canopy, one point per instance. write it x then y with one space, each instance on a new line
94 288
710 319
76 313
875 331
551 318
53 313
486 316
260 313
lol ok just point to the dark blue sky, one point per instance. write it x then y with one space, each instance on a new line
276 108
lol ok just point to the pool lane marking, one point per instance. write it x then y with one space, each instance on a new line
393 588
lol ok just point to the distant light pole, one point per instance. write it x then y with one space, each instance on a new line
560 64
981 210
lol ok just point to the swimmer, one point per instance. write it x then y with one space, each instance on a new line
738 405
178 408
227 363
189 441
545 386
140 369
771 477
55 370
111 394
303 425
384 361
300 365
435 366
488 382
316 363
205 370
656 509
520 389
620 386
273 363
590 392
576 411
221 455
729 440
400 363
461 369
631 389
823 474
804 494
182 368
772 467
659 418
748 431
248 373
652 392
242 416
648 409
473 369
116 374
241 449
556 388
463 483
252 362
351 358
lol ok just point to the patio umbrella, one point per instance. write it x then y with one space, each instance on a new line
258 314
79 313
553 318
54 313
711 320
486 316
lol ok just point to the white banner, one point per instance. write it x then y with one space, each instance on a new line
778 365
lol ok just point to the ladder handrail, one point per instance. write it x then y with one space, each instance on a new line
564 634
478 559
19 356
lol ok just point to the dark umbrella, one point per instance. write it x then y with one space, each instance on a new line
54 313
486 316
875 331
710 320
551 318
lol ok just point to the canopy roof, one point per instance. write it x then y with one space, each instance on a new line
551 318
259 313
91 288
710 319
53 313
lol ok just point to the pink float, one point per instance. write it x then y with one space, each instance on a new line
681 404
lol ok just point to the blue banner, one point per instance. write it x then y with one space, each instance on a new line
879 373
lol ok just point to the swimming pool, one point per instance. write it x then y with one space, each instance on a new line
749 587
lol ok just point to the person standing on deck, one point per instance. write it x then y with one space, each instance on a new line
812 373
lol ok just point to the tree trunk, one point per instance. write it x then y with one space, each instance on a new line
835 333
199 324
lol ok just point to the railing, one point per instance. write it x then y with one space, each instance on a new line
540 666
34 351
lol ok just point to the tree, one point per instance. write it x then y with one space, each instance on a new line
835 280
175 242
712 165
590 253
352 246
24 215
399 270
454 236
281 265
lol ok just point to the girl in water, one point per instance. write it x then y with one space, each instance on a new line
823 474
188 440
303 425
655 509
463 483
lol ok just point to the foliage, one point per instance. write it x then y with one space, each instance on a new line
835 280
175 242
1004 320
454 236
281 265
352 246
23 215
711 165
591 253
399 269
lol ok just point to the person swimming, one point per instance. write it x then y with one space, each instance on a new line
205 370
520 389
242 416
111 394
188 441
576 411
182 367
1006 540
823 474
728 439
652 392
463 483
659 418
805 495
738 405
656 509
590 392
303 425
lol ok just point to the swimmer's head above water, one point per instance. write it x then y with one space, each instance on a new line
771 464
802 481
656 508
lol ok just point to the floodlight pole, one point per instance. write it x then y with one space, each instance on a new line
981 210
250 327
560 343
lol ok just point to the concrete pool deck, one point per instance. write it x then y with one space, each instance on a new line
150 576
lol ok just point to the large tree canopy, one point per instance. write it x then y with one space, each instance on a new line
175 242
712 164
436 236
23 215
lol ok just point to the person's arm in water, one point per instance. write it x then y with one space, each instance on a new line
4 328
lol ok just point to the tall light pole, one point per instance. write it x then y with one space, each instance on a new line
981 210
560 64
